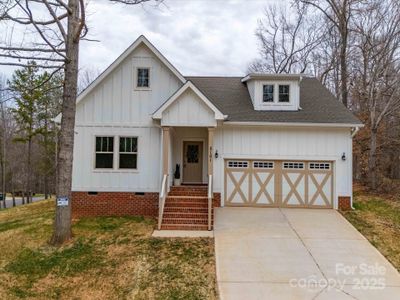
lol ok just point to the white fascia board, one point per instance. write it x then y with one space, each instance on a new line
272 76
188 85
125 54
293 124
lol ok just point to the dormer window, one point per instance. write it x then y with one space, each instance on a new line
143 78
284 93
268 93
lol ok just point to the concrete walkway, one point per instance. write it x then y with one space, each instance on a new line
272 253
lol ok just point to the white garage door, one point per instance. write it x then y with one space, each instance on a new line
278 183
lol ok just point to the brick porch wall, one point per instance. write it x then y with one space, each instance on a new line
119 204
344 203
114 204
217 200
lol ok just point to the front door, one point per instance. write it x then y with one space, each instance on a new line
192 162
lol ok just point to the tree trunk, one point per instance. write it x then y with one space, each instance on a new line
343 53
29 165
23 198
372 160
12 192
62 224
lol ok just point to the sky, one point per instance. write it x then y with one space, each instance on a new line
199 37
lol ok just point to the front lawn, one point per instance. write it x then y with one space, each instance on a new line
377 217
109 258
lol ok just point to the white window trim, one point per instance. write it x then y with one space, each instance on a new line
115 168
137 153
95 153
135 78
276 93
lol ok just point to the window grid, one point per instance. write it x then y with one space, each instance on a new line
268 93
238 164
319 166
284 93
104 152
128 149
263 165
293 165
104 144
143 77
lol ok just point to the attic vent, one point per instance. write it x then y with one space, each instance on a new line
92 193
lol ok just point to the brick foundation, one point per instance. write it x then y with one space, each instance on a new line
114 204
344 203
217 200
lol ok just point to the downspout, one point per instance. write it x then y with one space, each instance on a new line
353 134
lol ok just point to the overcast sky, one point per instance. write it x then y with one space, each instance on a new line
199 37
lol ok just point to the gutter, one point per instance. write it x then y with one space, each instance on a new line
295 124
355 130
353 134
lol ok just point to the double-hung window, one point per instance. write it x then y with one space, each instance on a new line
284 93
268 93
143 78
104 152
128 149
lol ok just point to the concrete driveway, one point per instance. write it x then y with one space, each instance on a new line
272 253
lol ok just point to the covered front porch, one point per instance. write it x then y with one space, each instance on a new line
188 121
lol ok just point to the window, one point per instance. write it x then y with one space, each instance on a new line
268 93
128 148
284 93
237 164
143 78
263 165
320 166
104 152
293 165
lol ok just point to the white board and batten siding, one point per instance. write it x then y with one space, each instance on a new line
285 144
188 110
116 108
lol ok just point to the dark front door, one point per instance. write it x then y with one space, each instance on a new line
192 162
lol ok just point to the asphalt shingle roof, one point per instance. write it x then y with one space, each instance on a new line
232 98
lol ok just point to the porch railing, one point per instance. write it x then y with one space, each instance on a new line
161 201
210 198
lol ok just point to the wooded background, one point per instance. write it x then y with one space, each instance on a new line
351 46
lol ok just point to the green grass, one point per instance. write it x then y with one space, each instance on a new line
108 258
377 217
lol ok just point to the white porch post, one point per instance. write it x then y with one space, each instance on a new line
210 149
165 150
210 194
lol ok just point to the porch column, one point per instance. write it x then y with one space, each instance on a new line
210 149
165 148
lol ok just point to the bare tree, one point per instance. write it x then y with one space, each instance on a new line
338 13
378 73
86 76
287 41
58 27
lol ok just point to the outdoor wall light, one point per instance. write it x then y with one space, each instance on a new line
344 156
216 154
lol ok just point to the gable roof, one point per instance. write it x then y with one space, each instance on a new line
140 40
188 85
232 98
